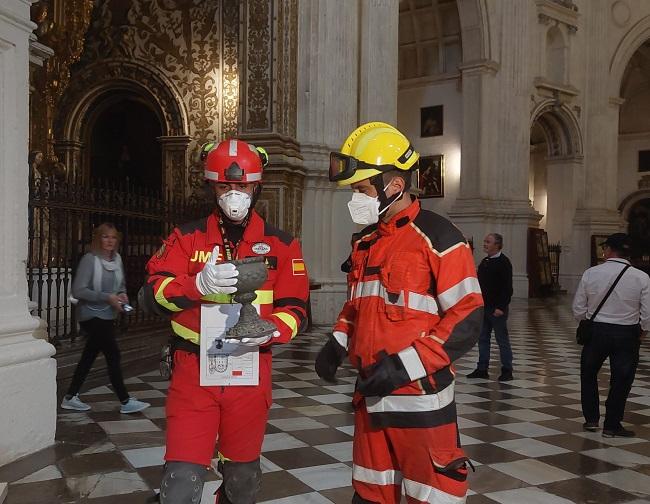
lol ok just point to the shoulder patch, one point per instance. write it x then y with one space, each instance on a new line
283 236
439 230
196 225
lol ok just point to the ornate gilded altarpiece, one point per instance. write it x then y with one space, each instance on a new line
208 69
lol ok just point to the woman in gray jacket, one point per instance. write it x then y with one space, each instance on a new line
99 287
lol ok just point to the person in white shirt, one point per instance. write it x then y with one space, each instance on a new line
618 329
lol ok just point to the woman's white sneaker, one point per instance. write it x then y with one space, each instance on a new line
133 406
74 403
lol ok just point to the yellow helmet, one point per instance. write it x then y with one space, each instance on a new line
371 149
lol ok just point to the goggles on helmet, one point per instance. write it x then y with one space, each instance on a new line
343 166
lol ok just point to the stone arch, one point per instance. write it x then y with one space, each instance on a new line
630 200
119 75
475 32
91 91
626 48
561 129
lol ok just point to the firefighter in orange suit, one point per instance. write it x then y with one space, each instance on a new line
414 306
184 274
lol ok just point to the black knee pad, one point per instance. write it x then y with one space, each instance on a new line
241 481
182 483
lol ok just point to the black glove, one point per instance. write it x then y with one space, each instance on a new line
384 377
329 359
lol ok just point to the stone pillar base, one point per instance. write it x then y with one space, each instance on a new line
327 302
28 394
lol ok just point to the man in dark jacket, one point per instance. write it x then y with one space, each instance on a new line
495 277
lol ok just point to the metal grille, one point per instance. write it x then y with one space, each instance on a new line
62 216
554 251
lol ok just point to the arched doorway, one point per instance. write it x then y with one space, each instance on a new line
555 152
123 144
556 147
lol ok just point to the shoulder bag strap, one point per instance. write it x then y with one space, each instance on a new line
611 289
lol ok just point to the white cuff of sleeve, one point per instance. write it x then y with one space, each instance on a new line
412 363
341 338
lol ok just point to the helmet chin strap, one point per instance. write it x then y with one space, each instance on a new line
384 201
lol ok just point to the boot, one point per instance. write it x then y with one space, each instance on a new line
479 373
506 374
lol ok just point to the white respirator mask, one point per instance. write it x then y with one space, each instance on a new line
364 209
235 205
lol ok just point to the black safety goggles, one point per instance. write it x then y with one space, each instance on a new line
343 166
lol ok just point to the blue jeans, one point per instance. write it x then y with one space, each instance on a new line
491 322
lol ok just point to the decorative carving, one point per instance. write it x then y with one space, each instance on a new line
230 68
63 30
258 66
286 80
566 3
558 12
621 13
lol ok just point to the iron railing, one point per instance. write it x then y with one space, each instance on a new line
62 216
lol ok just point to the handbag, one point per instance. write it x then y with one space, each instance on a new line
585 327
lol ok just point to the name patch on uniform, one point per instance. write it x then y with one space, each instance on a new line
261 248
203 256
298 266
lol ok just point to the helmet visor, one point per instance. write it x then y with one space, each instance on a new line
343 167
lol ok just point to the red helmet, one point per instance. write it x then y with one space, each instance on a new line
233 161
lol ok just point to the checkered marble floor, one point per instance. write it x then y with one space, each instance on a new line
525 437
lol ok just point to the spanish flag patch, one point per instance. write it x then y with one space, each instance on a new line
298 266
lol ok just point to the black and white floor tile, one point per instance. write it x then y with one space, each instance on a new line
525 437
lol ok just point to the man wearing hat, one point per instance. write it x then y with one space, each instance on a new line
617 329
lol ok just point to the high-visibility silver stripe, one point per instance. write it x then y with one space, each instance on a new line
451 296
367 289
232 148
412 403
253 177
342 338
425 493
416 301
366 475
422 303
412 363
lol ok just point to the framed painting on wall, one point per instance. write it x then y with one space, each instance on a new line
596 251
431 121
431 176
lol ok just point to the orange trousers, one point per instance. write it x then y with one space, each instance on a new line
426 464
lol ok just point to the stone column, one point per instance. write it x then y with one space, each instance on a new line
496 142
563 178
347 76
596 209
27 371
269 31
